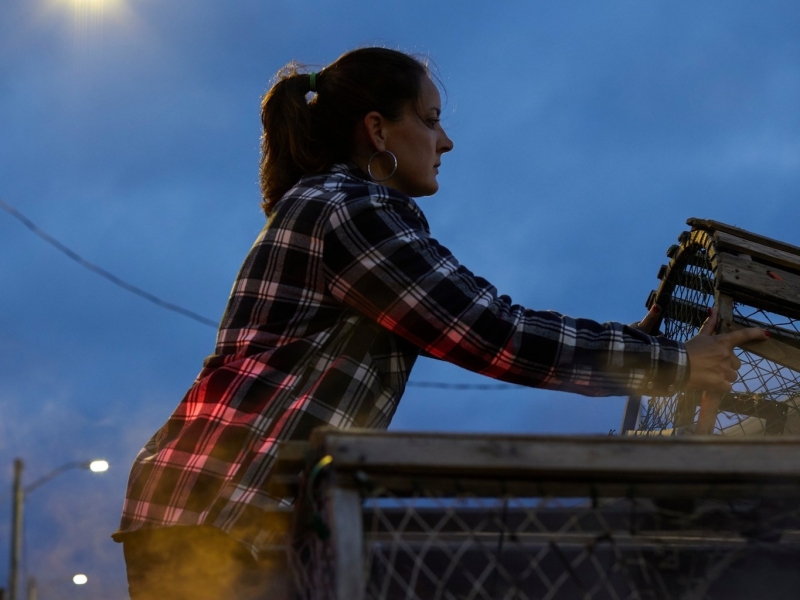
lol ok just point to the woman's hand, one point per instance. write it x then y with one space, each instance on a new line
649 321
712 364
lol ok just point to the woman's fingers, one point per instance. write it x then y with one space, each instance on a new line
742 336
713 365
650 320
729 374
710 324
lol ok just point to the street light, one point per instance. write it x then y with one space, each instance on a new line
19 493
34 586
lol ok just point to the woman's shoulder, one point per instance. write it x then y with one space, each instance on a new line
343 184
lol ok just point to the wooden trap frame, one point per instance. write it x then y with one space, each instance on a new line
385 516
752 280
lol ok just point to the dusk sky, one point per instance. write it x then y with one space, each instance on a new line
586 133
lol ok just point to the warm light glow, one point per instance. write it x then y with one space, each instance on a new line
80 579
94 23
93 5
90 14
98 466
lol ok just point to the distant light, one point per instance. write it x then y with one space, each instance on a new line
93 5
98 466
86 10
80 579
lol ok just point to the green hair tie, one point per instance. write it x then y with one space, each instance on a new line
312 81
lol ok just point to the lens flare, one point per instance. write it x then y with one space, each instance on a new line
89 16
92 5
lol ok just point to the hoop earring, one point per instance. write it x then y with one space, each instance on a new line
369 166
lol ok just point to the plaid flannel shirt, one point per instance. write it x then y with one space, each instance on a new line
340 293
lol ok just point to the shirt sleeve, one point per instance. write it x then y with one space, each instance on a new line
381 260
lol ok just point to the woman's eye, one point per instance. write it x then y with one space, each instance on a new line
432 123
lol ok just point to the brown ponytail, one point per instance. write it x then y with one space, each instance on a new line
309 136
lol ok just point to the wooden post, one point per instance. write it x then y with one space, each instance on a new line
686 408
348 543
707 418
16 531
630 418
32 595
709 404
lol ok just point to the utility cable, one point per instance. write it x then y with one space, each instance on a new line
193 315
464 386
102 272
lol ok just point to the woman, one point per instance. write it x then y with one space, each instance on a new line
342 291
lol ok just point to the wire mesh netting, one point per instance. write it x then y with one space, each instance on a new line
764 399
456 548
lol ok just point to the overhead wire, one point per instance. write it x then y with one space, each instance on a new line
101 271
129 287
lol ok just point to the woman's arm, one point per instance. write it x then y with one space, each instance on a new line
381 260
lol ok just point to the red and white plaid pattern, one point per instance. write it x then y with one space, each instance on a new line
340 293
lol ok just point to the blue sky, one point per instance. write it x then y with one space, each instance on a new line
585 133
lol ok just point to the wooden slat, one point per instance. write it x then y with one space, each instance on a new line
692 313
781 333
771 349
686 408
630 418
749 282
348 542
708 459
407 485
693 281
780 258
707 416
708 224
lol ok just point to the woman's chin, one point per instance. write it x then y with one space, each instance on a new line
430 189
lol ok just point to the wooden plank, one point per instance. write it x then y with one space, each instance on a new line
708 459
780 258
686 408
724 306
707 417
793 416
781 333
742 233
348 543
691 313
693 281
417 484
751 283
630 418
771 349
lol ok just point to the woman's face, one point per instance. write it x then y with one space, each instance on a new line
418 141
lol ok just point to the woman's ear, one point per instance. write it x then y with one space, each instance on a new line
374 126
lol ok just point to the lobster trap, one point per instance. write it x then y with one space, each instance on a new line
386 516
753 281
